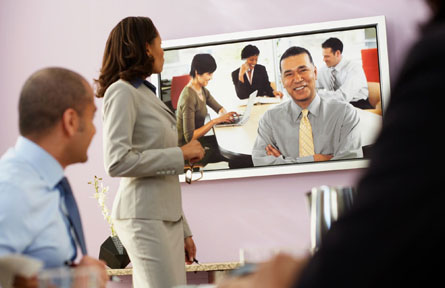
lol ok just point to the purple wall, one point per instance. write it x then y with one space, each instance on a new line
225 215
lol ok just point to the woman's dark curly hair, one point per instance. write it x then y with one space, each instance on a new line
125 55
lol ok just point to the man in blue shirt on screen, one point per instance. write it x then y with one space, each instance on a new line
39 217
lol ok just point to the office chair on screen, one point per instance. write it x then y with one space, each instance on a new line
370 60
178 83
326 205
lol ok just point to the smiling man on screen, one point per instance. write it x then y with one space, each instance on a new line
306 128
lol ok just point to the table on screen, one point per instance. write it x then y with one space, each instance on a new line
240 139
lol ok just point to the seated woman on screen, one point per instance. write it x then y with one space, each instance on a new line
252 76
192 108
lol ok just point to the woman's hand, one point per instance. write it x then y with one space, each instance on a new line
193 151
243 69
190 250
226 118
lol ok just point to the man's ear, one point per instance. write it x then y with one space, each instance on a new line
70 121
337 53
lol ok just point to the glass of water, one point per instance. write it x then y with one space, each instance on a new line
64 277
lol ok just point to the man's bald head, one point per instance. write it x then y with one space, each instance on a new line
46 95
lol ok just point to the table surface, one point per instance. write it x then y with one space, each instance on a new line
223 266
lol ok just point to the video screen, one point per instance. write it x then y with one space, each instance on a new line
243 96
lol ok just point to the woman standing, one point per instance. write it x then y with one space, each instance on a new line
192 108
140 146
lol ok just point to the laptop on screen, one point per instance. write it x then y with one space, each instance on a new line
243 119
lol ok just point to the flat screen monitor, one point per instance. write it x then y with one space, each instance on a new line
364 52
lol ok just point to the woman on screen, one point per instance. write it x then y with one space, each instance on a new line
141 146
192 108
252 76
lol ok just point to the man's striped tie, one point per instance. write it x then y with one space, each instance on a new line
306 141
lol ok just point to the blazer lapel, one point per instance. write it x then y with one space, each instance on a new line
164 107
170 112
157 101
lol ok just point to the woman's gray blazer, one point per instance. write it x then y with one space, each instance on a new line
141 147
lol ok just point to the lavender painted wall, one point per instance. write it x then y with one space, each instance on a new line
225 215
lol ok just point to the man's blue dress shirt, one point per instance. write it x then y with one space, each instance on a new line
31 218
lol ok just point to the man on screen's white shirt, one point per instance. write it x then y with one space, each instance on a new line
342 78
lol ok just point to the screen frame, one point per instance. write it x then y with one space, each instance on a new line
321 27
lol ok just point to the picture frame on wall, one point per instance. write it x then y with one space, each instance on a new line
364 44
